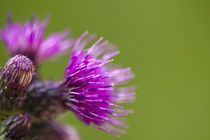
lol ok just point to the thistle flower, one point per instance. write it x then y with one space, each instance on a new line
52 130
14 81
15 127
27 39
90 86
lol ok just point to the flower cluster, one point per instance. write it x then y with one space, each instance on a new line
91 88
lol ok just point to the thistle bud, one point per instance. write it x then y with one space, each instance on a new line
15 127
14 80
18 71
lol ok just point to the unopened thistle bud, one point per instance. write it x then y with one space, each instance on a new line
14 80
15 127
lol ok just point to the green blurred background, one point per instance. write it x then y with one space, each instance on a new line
165 42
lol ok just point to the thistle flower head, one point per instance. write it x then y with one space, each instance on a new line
90 85
15 127
27 39
14 80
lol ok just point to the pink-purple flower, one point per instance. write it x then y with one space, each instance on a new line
27 39
92 86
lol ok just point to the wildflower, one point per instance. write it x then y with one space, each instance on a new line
14 81
27 39
15 127
90 86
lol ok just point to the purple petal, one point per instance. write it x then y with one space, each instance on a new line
89 85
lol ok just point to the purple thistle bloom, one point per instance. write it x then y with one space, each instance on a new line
15 127
90 85
27 39
14 81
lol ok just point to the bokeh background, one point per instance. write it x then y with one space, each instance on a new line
165 42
